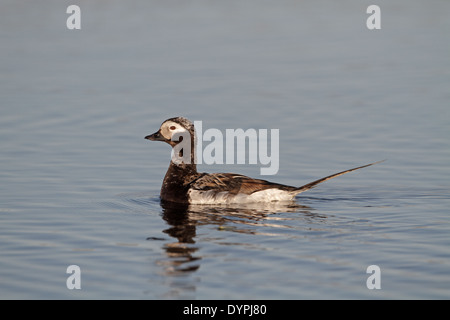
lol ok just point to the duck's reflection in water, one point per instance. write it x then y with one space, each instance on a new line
182 254
183 229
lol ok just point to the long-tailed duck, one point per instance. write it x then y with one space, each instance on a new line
183 184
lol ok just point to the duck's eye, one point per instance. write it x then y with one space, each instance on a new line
172 128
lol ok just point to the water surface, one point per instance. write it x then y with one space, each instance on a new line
80 185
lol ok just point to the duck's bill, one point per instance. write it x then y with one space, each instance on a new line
157 136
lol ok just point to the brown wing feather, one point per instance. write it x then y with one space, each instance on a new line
235 183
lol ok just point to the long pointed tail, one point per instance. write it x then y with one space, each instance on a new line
315 183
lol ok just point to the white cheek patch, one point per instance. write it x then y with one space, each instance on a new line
167 133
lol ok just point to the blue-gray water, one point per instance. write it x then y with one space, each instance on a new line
79 184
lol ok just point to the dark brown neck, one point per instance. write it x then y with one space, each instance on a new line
182 169
177 179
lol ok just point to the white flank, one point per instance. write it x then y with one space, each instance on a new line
224 197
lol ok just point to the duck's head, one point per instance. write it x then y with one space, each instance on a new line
173 131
